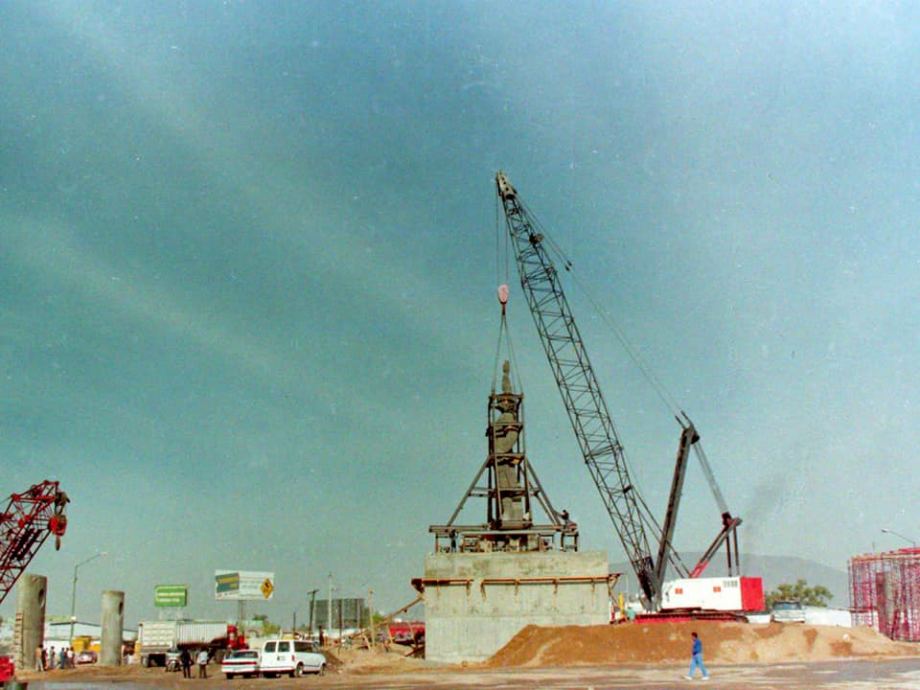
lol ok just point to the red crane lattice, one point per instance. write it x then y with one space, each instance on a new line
29 518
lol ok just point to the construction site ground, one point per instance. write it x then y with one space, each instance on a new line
739 656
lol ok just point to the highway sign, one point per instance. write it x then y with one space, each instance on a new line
166 596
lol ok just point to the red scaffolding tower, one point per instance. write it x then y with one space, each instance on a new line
885 592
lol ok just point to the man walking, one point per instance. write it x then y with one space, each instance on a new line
39 658
696 658
203 663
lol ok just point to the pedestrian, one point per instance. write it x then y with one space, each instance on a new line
70 658
39 658
696 658
203 663
62 661
186 660
51 659
322 637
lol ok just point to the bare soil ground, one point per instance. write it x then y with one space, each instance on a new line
739 657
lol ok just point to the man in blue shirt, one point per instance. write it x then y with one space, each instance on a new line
696 658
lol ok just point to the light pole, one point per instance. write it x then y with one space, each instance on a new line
73 592
912 542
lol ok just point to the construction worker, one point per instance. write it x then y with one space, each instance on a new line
696 658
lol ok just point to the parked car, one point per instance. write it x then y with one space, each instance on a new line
788 612
241 662
173 660
294 657
87 656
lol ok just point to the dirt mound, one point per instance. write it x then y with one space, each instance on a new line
723 643
367 661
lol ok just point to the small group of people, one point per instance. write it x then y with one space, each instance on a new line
50 659
201 658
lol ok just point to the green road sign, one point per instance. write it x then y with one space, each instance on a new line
170 596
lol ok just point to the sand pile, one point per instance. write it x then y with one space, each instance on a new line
725 643
366 661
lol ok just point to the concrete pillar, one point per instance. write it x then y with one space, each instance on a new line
113 621
29 631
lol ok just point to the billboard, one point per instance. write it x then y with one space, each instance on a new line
166 596
243 585
346 613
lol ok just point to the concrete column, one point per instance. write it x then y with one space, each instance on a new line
113 620
29 631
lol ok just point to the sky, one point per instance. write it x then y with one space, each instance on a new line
248 268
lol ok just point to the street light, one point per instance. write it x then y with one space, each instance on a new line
912 542
73 592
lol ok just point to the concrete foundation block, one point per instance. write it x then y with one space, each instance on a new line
476 602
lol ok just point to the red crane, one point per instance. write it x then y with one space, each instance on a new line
29 519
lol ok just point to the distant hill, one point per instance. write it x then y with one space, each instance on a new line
773 569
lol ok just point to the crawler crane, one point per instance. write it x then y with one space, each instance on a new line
647 543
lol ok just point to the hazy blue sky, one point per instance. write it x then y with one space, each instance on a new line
247 272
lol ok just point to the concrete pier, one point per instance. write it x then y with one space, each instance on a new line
476 602
29 627
113 621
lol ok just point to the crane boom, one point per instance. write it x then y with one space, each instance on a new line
584 403
29 519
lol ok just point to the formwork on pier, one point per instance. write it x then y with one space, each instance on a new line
885 592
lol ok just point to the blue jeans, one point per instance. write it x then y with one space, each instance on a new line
696 661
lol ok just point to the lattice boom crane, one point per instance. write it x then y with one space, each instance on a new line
594 429
29 519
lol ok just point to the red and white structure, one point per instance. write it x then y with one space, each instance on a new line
740 594
885 592
29 519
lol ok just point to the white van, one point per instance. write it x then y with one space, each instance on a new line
294 657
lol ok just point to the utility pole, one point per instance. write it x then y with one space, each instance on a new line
312 594
370 612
